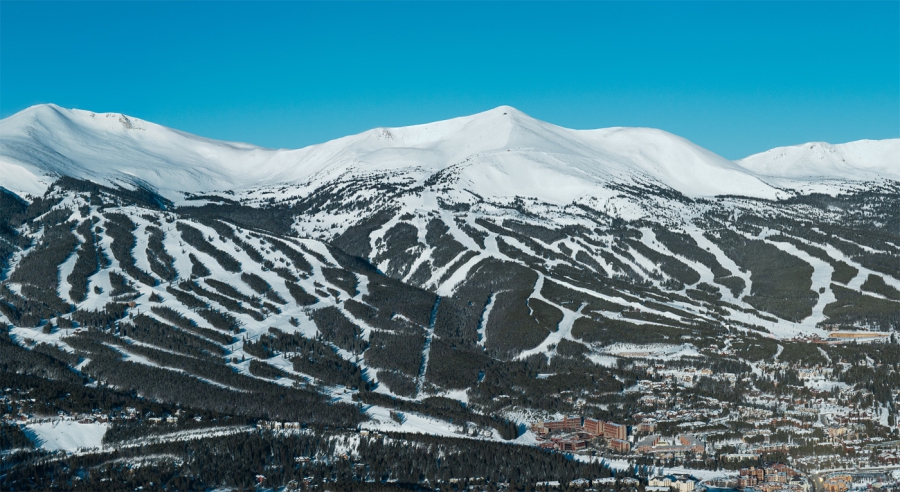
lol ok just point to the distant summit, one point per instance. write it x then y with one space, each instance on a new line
854 160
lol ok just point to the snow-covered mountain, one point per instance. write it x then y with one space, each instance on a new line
860 160
518 267
501 152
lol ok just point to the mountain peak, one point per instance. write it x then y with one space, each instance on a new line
511 113
500 111
508 114
51 117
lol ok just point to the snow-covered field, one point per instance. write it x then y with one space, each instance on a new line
66 435
381 420
653 351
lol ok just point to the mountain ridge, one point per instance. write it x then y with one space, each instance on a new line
866 158
501 143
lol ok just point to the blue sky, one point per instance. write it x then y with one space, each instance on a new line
735 77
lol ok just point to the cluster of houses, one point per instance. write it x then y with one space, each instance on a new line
18 403
834 418
683 377
165 418
97 417
82 418
772 478
274 425
685 415
669 483
844 481
679 446
574 433
836 337
607 483
888 458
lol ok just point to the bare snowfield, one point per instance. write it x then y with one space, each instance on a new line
66 435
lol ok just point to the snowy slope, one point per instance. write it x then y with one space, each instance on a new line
498 153
863 159
112 148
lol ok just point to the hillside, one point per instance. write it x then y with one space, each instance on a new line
459 279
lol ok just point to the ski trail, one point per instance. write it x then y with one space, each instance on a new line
65 269
482 323
448 288
563 331
426 350
723 259
821 281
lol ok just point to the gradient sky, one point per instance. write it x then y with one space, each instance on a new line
737 78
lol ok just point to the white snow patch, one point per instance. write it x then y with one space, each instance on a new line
66 435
